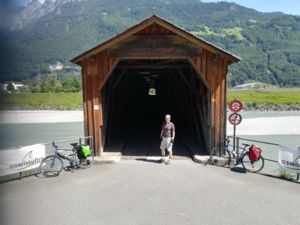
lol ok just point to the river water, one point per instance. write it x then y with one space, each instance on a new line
23 134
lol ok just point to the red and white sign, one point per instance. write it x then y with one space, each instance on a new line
235 119
289 158
235 106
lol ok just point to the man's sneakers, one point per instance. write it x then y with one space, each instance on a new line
162 160
168 162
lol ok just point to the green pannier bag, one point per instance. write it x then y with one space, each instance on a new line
86 151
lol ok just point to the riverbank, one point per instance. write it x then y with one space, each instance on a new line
40 116
264 123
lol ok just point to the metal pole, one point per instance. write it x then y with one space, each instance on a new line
298 176
234 137
238 148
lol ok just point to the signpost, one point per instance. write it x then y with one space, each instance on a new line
235 119
235 106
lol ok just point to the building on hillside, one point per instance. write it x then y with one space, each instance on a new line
56 67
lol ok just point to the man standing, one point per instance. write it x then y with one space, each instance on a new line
167 136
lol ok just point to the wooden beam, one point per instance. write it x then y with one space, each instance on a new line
154 45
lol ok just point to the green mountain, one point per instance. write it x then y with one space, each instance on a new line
42 34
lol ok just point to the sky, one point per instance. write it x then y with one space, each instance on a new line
286 6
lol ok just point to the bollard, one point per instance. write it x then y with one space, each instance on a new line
298 176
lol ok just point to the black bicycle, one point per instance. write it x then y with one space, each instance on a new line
244 158
80 156
220 158
227 157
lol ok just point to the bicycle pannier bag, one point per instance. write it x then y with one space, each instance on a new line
254 153
85 151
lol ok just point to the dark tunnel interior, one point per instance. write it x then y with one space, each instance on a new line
136 98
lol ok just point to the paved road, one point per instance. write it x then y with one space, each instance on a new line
139 192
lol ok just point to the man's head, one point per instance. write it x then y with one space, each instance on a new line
168 118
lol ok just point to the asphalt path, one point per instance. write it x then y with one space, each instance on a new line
139 192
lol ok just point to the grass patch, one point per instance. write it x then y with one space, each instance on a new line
255 97
235 32
284 174
42 100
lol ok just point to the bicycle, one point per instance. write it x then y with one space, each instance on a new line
224 158
247 163
80 157
218 158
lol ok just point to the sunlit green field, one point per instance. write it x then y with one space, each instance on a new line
74 100
42 100
276 97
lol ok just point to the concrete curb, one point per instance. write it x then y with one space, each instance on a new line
108 158
202 159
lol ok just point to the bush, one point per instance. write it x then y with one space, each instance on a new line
71 85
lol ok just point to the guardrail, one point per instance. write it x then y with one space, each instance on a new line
236 147
86 140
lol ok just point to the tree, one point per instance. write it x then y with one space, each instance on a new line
71 85
10 87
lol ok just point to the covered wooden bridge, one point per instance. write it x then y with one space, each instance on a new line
132 80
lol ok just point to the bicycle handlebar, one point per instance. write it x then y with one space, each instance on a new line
54 145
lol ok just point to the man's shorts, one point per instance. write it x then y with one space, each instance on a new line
166 144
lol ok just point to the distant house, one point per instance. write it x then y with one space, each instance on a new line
55 67
17 86
254 86
3 87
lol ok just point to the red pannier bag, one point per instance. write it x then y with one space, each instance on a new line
254 153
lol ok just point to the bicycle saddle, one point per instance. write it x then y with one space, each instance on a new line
74 144
246 145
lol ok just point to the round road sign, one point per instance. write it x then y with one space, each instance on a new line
235 106
235 119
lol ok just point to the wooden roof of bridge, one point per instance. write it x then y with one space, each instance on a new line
165 24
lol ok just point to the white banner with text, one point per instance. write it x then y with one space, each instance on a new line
289 158
21 159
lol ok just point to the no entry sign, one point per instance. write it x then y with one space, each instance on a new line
235 106
235 119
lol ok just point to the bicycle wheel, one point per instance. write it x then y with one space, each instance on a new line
86 162
250 166
51 166
222 160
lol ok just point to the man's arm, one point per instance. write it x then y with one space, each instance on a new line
173 133
162 129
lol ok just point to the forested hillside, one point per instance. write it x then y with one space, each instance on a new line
268 43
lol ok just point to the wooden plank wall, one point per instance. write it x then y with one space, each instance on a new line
214 73
94 74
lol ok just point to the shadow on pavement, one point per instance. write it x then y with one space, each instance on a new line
148 160
238 170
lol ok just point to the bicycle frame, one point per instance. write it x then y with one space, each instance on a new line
238 157
68 158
